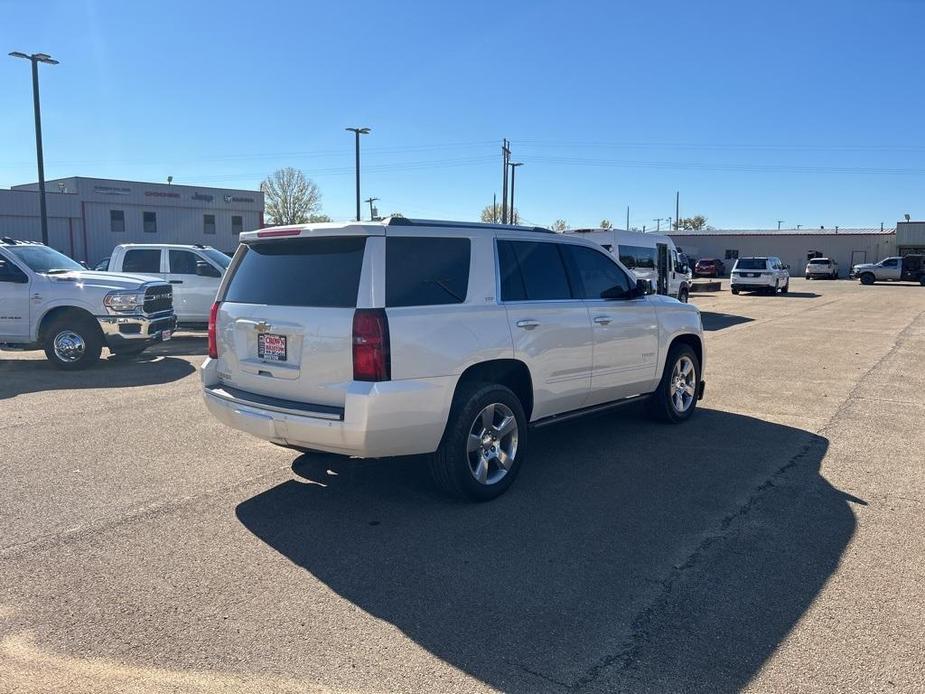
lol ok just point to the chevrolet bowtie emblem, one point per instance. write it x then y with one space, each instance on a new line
262 327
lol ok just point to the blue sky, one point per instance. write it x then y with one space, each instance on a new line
809 112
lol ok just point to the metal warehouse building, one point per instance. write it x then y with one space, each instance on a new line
87 217
793 246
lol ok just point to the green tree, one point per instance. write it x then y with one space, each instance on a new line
559 226
290 197
695 223
318 218
606 224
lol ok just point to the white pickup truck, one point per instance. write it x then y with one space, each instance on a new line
909 268
48 301
194 272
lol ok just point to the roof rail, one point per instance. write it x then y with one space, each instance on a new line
406 222
16 242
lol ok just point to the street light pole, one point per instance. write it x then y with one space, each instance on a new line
358 132
513 165
35 59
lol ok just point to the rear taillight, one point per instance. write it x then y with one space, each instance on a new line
213 342
371 358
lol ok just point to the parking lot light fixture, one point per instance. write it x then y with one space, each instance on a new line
35 59
357 132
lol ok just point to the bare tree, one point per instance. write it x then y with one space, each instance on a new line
559 226
318 218
289 197
491 214
695 223
606 224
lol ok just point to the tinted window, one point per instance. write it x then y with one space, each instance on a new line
217 257
208 224
512 283
149 220
819 261
183 262
541 271
426 271
889 263
752 264
300 272
594 273
142 260
43 258
9 272
116 221
637 257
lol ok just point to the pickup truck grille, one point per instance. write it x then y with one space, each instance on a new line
158 298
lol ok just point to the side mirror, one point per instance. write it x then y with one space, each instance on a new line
786 267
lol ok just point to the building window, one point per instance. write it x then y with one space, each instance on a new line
117 221
208 224
732 254
150 222
237 224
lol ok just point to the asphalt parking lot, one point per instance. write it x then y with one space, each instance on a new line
774 543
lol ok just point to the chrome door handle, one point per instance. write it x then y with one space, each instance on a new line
602 320
527 324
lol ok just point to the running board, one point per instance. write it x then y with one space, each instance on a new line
584 411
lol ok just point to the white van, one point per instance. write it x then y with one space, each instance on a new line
650 256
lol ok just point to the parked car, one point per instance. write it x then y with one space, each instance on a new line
767 274
648 256
51 302
822 268
709 267
194 271
909 268
417 337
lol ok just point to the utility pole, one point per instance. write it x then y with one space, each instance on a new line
505 160
513 165
658 223
779 222
372 217
677 210
35 59
627 217
358 132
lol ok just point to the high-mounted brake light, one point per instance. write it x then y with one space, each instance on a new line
288 231
213 341
372 360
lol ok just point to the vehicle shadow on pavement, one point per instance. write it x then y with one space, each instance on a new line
21 376
719 321
628 554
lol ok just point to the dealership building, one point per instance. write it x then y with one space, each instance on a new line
87 217
794 246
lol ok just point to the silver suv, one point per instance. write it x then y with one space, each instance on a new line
421 337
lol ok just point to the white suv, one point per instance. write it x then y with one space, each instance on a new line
766 274
417 337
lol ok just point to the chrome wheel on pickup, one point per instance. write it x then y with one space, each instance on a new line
72 340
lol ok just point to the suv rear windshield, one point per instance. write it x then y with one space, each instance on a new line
752 264
819 261
322 272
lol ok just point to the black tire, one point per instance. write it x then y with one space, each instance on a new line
835 274
450 465
809 277
785 288
660 403
683 295
868 278
735 291
78 334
